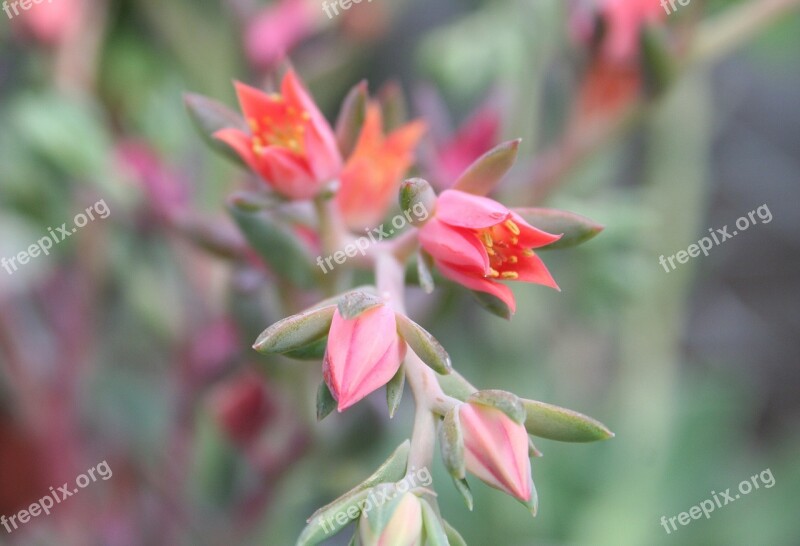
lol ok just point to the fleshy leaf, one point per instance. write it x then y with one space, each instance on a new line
556 423
483 175
426 347
323 524
352 304
394 391
463 487
506 402
657 62
453 445
351 118
208 117
577 229
493 304
295 332
434 530
425 271
325 401
453 536
312 351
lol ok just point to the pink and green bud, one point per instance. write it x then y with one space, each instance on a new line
363 354
496 449
403 527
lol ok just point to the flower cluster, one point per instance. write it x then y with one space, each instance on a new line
352 172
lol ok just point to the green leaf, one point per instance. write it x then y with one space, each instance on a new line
392 470
453 536
209 116
295 332
506 402
393 105
352 304
312 351
657 62
425 271
255 201
434 530
456 386
325 401
556 423
493 304
351 118
533 451
453 444
277 245
485 173
463 487
576 229
394 391
426 347
323 524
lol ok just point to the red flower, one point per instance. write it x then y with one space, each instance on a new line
290 144
476 242
373 172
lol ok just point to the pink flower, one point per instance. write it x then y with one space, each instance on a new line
624 22
477 242
362 355
290 144
496 449
277 29
478 134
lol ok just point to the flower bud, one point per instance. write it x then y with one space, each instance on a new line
496 449
403 528
416 194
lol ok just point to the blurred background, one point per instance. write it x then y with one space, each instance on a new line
130 342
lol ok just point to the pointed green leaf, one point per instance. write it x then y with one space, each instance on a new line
277 245
392 470
393 104
576 229
424 345
556 423
208 117
481 177
533 451
324 524
326 403
351 118
434 530
506 402
453 444
425 271
394 391
493 304
463 487
352 304
453 536
295 332
312 351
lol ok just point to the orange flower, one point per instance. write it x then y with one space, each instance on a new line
290 143
371 177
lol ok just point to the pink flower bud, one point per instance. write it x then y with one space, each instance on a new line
290 144
496 449
404 527
476 242
363 354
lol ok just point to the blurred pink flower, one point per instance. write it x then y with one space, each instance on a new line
50 23
476 242
290 143
479 133
496 449
243 407
624 21
277 29
363 354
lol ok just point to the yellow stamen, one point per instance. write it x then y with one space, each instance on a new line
253 124
491 252
305 116
493 273
487 239
528 252
515 240
510 275
512 227
513 259
276 97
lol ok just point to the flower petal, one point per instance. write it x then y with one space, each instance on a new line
480 284
455 246
532 269
461 209
531 237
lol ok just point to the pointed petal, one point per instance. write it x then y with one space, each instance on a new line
532 269
531 237
454 246
460 209
241 144
480 284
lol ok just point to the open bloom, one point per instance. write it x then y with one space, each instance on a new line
372 175
290 144
362 355
404 527
496 449
477 242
